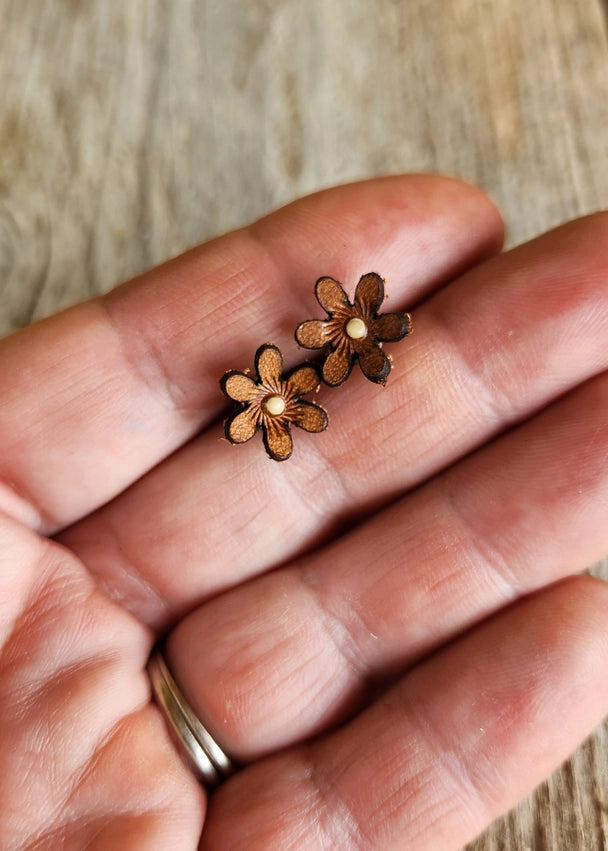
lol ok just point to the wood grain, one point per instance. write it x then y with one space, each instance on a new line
130 131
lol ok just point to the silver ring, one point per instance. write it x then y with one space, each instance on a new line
203 754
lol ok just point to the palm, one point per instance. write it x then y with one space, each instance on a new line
82 758
99 397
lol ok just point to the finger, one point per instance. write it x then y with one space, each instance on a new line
454 745
94 397
296 650
487 351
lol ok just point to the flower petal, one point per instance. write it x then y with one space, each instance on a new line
337 367
391 327
369 294
269 365
241 426
311 334
277 439
303 379
310 417
238 386
374 364
330 294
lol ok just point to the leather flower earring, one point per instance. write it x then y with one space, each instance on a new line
353 331
272 402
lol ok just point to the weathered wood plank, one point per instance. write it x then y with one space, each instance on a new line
129 131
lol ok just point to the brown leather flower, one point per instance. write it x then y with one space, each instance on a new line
272 402
353 331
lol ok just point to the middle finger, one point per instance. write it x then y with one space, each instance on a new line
292 652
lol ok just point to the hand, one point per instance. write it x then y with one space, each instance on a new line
383 630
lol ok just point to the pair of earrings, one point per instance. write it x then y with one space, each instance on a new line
353 332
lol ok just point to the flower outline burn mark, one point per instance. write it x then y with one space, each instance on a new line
272 402
353 331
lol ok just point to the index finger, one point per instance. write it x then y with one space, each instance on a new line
95 396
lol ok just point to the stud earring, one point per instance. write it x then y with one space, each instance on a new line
272 402
353 332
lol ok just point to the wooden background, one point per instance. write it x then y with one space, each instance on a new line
130 130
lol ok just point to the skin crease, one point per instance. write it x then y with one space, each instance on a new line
385 629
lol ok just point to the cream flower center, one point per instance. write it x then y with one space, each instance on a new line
356 328
275 405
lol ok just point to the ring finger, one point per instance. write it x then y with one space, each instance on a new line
452 746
